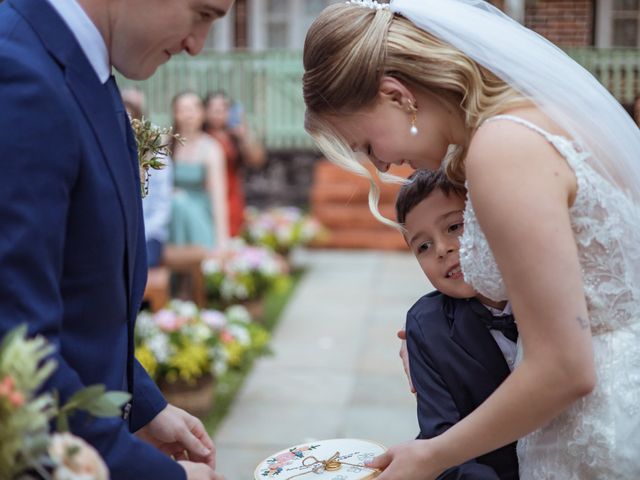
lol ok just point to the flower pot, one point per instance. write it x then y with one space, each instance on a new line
255 309
196 398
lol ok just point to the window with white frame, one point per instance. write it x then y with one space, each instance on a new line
282 23
618 23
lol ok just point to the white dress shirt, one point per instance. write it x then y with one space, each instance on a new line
508 347
87 34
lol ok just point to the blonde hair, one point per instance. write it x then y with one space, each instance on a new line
350 48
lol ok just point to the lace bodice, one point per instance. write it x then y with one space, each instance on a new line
598 437
606 225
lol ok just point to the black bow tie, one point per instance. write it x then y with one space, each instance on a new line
504 323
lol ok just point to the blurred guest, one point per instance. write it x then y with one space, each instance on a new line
227 125
156 205
200 214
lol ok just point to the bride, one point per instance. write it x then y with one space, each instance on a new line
552 166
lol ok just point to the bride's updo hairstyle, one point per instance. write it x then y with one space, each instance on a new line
350 47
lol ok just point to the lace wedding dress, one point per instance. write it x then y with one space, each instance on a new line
598 437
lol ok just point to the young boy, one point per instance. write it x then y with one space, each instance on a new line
461 346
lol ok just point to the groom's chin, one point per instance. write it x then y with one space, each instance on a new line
138 72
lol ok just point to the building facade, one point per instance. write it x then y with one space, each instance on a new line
254 53
281 24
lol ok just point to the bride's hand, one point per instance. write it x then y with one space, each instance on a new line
414 460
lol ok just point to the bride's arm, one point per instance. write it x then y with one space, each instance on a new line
520 188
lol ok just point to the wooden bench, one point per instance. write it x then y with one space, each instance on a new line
156 293
339 200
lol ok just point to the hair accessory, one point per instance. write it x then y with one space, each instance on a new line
372 4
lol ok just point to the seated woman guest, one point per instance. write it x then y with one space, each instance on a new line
200 214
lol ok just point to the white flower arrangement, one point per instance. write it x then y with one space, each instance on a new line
185 343
241 272
281 228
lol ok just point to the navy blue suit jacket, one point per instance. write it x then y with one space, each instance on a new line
455 365
72 249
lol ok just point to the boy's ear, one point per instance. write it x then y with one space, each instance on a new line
394 91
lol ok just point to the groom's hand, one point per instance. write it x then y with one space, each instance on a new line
404 355
198 471
180 435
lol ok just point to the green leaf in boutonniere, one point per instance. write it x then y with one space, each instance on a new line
154 143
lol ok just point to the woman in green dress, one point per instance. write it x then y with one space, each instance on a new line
200 208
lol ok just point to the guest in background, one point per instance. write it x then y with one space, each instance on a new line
200 214
229 128
156 205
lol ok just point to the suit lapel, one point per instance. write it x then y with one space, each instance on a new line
470 333
101 115
96 103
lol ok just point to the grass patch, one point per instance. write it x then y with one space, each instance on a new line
229 383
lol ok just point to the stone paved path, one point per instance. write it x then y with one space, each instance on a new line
335 371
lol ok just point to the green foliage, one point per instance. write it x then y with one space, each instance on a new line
25 365
154 143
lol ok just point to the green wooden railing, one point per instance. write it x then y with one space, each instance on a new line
268 84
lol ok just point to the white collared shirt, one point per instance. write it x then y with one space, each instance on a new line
87 34
507 347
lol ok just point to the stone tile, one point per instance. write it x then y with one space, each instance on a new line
383 424
238 462
329 352
381 390
335 371
271 384
260 425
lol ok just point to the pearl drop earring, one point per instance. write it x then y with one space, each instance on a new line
414 114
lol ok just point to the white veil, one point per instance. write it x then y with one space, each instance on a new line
559 86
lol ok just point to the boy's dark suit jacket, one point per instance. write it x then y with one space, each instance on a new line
455 365
72 249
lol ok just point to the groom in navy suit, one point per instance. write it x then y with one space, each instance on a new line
72 244
460 345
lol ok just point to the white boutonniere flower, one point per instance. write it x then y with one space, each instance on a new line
154 143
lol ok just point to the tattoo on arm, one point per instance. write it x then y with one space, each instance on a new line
583 322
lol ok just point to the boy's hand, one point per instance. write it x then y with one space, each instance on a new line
404 355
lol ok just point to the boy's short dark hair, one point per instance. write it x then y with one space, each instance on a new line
420 185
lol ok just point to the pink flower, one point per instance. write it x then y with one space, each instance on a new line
6 386
226 337
167 321
285 457
214 319
75 459
181 321
16 399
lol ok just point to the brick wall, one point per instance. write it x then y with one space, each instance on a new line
567 23
241 28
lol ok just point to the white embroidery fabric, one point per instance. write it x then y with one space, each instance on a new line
598 437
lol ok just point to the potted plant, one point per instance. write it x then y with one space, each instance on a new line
281 228
242 273
178 348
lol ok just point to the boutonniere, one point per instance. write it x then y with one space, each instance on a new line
154 144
